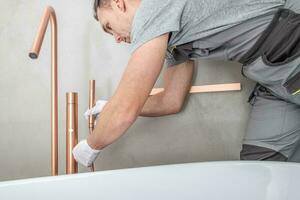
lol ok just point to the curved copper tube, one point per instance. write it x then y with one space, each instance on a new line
49 14
91 104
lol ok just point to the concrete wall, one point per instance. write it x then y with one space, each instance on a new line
210 127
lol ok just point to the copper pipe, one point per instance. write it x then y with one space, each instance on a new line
49 15
207 88
91 105
71 131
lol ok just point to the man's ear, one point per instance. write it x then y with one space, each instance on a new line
118 5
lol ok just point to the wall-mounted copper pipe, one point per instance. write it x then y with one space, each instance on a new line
49 14
71 131
91 104
207 88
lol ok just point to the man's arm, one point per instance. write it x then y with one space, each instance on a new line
177 82
132 92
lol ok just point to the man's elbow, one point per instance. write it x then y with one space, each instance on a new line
175 108
171 105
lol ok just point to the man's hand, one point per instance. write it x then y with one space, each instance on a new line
96 109
84 154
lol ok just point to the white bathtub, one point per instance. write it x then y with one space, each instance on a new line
233 180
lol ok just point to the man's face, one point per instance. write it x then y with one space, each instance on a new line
115 22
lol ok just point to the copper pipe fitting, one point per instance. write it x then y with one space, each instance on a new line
71 131
49 15
91 105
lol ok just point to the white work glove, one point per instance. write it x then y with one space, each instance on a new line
96 109
84 154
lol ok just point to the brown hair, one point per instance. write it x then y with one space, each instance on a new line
100 3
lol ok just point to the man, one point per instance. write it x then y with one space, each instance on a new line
248 31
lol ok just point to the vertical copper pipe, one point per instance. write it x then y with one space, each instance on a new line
91 104
71 131
49 14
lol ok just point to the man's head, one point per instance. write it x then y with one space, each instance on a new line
116 17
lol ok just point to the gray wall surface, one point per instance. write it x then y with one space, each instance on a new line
210 127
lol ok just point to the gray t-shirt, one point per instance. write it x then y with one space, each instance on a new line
207 24
230 44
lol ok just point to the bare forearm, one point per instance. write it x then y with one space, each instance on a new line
177 83
156 106
111 125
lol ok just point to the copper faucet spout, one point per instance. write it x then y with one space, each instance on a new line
49 15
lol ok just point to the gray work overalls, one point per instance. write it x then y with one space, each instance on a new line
273 131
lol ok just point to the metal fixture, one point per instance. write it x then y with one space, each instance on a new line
207 88
49 15
71 131
91 105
